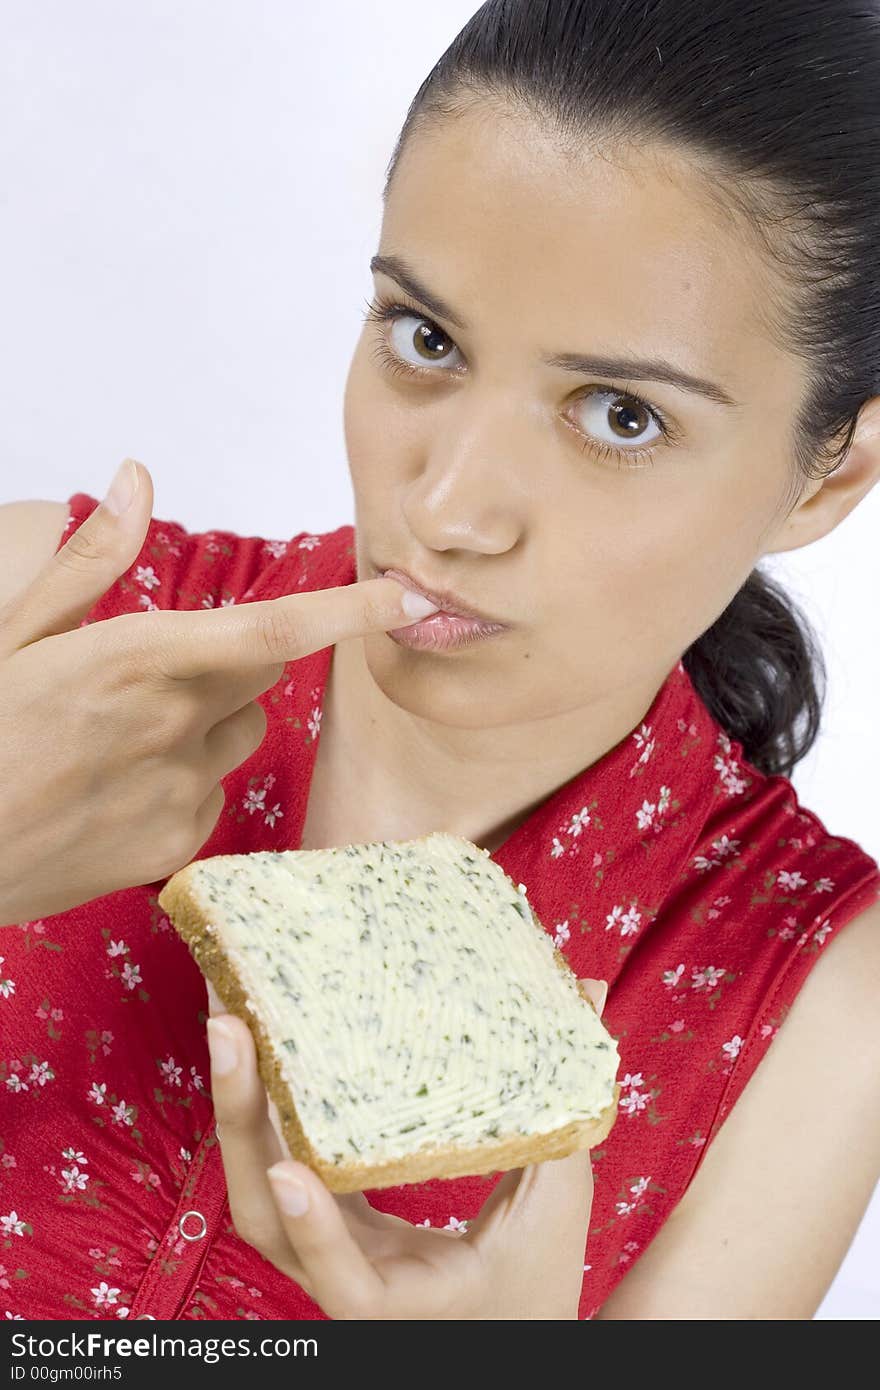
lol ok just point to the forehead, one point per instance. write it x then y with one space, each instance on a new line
580 250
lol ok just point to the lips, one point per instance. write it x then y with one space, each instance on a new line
448 602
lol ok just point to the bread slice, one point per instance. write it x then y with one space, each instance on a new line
412 1017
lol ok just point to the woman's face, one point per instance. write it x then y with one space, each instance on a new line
544 497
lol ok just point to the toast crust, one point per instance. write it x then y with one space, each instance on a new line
449 1161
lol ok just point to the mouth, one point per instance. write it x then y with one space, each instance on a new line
449 604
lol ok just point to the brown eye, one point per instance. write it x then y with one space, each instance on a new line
427 344
625 419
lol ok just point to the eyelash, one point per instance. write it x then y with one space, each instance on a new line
381 311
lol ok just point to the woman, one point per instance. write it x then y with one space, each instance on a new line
624 343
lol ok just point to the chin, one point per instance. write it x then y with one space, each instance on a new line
430 686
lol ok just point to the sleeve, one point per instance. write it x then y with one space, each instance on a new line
179 569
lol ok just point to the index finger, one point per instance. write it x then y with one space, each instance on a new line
189 644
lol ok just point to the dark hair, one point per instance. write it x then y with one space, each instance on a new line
778 104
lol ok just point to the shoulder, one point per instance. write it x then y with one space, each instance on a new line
771 1209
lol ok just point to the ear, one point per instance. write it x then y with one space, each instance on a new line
825 502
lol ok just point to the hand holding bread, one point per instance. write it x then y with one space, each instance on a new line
386 1013
114 737
522 1257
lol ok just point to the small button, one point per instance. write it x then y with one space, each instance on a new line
192 1217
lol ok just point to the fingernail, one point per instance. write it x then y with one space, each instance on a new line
123 488
221 1046
417 606
292 1195
603 995
216 1003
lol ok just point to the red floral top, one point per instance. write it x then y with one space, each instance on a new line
697 886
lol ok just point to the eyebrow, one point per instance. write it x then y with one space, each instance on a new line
632 368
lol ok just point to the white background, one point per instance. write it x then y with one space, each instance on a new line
190 197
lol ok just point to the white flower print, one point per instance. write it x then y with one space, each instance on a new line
131 975
122 1114
195 1080
645 815
276 548
73 1156
579 821
790 882
74 1179
117 948
707 978
254 800
7 986
628 920
672 977
727 766
638 1189
723 847
821 932
642 739
556 848
170 1071
147 603
823 885
309 542
104 1295
563 932
15 1083
426 1222
97 1093
146 575
732 1048
12 1225
453 1224
635 1100
41 1073
314 721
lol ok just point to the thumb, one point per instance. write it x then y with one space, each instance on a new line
90 561
596 991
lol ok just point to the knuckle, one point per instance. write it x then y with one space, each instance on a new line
174 850
375 608
82 550
278 630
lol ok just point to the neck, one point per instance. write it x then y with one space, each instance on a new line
399 775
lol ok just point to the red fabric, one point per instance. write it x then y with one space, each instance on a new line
698 887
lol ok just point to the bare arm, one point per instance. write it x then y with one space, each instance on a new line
770 1214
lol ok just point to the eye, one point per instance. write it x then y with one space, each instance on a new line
612 417
619 411
427 343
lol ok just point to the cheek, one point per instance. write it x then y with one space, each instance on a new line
648 570
373 420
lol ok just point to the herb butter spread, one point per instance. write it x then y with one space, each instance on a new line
412 996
